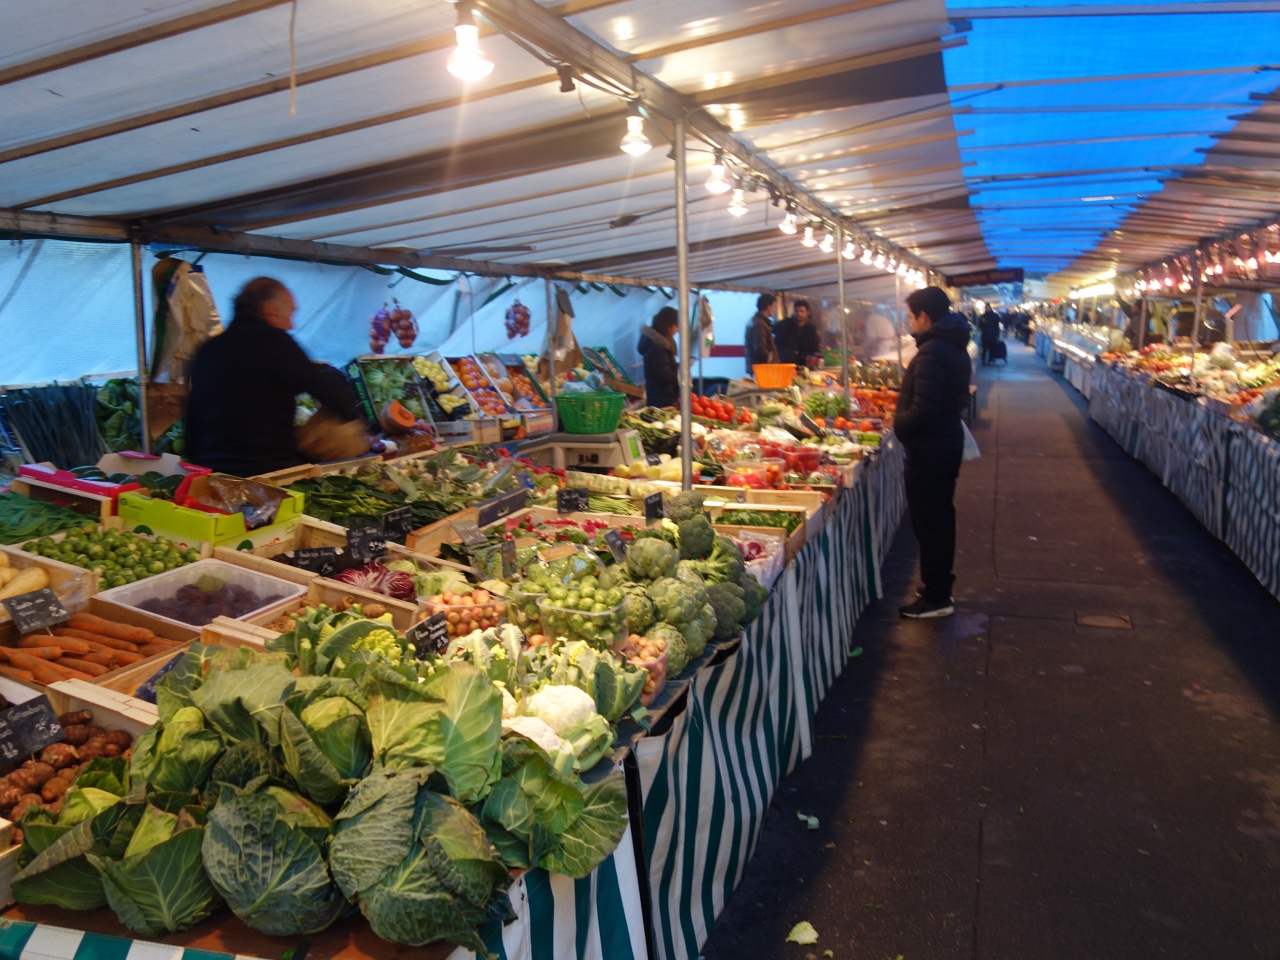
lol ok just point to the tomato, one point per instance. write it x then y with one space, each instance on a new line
865 426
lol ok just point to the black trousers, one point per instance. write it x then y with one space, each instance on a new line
931 488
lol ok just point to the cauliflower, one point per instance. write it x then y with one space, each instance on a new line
673 601
652 559
560 707
509 706
382 642
536 730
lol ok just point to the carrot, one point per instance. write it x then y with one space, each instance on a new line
42 671
112 658
15 674
152 649
96 638
44 653
44 640
109 628
84 666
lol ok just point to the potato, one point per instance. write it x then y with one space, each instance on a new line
54 789
121 738
40 771
59 755
76 734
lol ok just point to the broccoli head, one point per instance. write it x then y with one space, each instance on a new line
692 579
723 564
673 601
684 506
726 600
638 607
696 538
651 559
677 648
754 596
700 630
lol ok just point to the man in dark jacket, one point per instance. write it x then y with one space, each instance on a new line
758 345
935 391
797 338
989 328
661 371
245 385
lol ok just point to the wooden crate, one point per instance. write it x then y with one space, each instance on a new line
795 540
331 592
306 471
72 584
813 502
310 532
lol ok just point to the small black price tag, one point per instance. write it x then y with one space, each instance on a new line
366 543
653 459
508 549
429 636
35 610
654 508
321 560
468 532
502 506
613 540
573 500
33 725
807 422
397 524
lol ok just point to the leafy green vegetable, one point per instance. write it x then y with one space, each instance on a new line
264 853
326 747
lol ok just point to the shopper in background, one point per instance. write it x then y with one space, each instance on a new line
797 338
658 348
245 385
758 345
935 391
989 328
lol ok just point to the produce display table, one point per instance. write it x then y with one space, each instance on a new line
708 780
1224 471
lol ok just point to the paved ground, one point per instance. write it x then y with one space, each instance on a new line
1010 785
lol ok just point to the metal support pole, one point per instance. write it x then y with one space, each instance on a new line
1195 327
844 320
140 331
553 321
682 283
1142 324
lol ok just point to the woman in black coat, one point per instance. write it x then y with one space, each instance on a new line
661 371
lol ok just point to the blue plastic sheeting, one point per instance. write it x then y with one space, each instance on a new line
1024 140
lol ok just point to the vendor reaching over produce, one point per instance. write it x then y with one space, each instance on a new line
245 384
661 372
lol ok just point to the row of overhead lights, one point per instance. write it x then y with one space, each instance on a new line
468 62
1240 258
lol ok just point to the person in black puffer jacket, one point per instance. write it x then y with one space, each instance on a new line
935 391
661 371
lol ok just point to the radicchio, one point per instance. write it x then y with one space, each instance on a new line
376 577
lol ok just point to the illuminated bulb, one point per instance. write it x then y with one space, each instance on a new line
1168 281
717 182
879 259
902 269
828 242
889 267
468 62
866 255
738 205
788 224
1252 263
1217 268
635 142
849 251
808 240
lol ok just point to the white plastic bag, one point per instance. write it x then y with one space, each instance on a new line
971 451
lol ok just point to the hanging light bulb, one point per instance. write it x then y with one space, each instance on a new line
468 62
866 255
1217 268
1252 263
789 221
738 205
808 240
850 251
902 269
717 182
828 242
889 267
635 142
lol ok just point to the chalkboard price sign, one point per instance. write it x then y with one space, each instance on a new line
654 508
321 560
807 422
35 610
429 636
508 559
28 728
468 532
653 459
366 543
397 524
613 540
573 500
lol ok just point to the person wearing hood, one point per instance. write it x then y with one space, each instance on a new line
934 393
661 371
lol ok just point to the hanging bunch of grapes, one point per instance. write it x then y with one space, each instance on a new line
517 320
380 330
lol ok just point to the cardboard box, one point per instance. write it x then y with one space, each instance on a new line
95 498
190 527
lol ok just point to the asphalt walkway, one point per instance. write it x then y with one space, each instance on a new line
1010 784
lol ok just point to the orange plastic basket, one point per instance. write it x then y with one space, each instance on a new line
773 376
